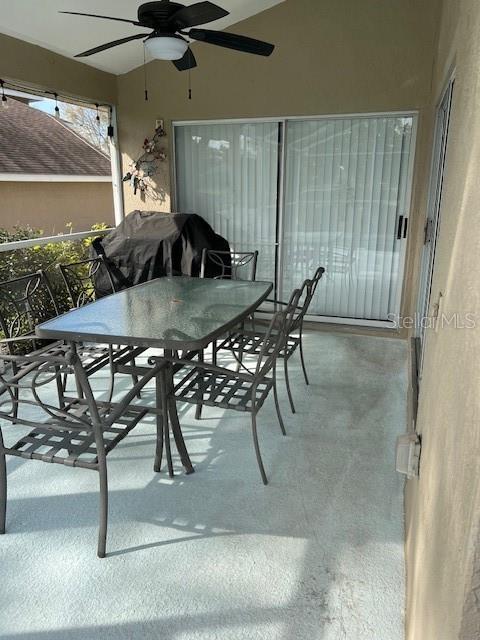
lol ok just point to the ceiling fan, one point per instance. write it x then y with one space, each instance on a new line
168 39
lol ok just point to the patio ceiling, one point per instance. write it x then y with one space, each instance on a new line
40 23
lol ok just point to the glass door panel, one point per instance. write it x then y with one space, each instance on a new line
347 186
228 174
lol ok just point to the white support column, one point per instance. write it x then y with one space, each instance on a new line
116 172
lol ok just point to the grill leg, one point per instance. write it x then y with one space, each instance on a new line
3 487
257 448
277 404
287 382
301 356
103 512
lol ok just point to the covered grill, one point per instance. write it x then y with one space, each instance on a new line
148 245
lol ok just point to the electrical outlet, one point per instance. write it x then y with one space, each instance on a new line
159 124
408 455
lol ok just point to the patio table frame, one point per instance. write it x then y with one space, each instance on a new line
111 320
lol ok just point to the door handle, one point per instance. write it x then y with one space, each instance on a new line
399 227
405 227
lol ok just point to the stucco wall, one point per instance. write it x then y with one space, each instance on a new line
443 506
44 69
334 56
51 205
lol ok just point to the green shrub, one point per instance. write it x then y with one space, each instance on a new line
45 257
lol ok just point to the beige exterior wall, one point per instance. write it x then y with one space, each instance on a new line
43 69
341 56
357 56
51 205
443 505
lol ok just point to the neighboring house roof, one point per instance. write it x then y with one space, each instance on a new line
35 143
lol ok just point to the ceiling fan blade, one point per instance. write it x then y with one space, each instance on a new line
199 13
92 15
109 45
187 62
232 41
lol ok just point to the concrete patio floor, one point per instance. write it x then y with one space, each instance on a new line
315 555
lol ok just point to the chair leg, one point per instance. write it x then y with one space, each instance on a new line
301 356
3 488
59 381
103 511
15 404
112 373
257 448
159 401
198 410
287 382
239 357
277 404
135 378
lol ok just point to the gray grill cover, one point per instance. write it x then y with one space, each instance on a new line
148 245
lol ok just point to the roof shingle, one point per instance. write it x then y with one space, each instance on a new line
33 142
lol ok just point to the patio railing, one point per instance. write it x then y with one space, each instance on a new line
42 240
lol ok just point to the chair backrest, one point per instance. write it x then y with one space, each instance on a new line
80 278
316 279
232 265
277 334
28 382
304 299
25 302
307 291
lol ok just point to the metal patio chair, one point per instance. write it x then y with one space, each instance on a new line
79 434
80 280
234 265
25 302
203 383
243 342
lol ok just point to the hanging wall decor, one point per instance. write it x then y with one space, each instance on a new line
141 171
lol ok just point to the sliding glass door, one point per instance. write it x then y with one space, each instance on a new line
346 192
329 191
227 173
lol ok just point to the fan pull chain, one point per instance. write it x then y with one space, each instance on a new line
145 73
189 85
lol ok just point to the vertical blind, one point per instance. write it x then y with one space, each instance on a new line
227 173
346 185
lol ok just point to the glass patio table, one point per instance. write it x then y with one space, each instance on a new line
172 313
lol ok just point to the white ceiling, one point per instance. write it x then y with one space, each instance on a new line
41 24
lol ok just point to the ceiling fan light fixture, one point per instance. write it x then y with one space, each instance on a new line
166 47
